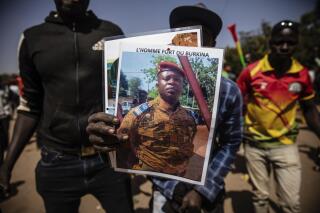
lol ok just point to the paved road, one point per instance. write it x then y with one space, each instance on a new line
238 200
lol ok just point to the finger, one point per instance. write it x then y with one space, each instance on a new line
184 205
192 203
104 117
104 148
123 137
4 191
104 140
96 139
100 128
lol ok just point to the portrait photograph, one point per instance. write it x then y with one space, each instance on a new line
167 98
186 36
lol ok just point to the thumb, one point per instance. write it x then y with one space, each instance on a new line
184 205
4 190
123 137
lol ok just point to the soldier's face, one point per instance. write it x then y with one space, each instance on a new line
170 85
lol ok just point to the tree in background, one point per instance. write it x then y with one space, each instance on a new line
134 86
309 48
205 70
254 43
123 85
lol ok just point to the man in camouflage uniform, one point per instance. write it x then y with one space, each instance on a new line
160 131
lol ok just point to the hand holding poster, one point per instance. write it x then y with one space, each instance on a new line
168 135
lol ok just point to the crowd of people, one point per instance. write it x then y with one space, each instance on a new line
258 110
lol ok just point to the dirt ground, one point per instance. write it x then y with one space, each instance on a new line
238 199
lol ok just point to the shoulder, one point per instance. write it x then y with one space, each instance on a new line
34 29
142 108
228 87
303 71
110 27
250 70
229 96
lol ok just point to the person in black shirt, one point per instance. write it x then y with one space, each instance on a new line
61 72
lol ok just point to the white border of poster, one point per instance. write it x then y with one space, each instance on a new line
111 46
206 56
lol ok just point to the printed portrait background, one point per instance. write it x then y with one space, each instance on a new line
137 85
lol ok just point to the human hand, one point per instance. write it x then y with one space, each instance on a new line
4 182
102 131
191 202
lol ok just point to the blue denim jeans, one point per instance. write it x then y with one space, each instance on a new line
62 179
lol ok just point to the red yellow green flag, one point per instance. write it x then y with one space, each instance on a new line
232 29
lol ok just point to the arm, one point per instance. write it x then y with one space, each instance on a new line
243 83
29 112
308 106
23 130
311 115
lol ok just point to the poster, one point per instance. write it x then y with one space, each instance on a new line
187 36
173 96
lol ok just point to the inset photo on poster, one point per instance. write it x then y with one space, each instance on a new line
168 96
186 36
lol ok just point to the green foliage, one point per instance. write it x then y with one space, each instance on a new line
309 45
206 73
153 93
232 58
205 70
256 42
123 85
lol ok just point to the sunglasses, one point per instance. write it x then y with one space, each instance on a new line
286 24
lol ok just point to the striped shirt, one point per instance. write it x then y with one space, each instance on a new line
228 134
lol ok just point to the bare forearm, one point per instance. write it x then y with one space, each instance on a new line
313 120
23 130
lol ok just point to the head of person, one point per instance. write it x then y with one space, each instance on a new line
170 81
227 67
284 39
72 8
184 16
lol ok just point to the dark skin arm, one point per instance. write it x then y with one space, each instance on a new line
311 115
23 130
